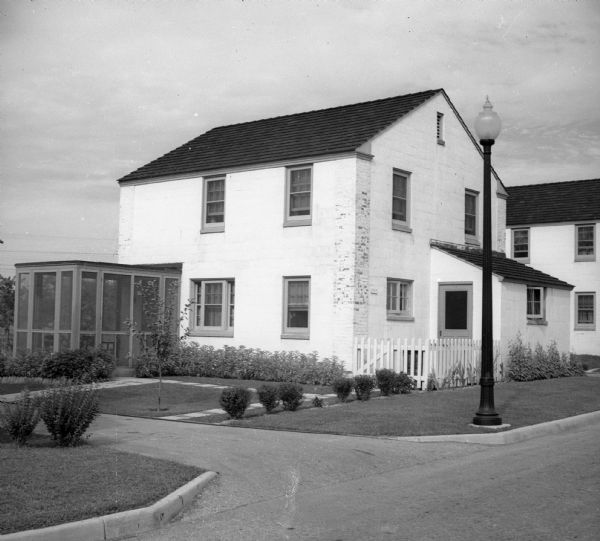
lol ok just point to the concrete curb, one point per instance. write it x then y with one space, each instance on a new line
515 435
121 524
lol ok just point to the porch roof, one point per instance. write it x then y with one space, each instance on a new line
507 268
159 267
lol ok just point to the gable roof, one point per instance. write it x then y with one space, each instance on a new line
314 133
572 201
509 269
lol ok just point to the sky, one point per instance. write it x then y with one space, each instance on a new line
93 89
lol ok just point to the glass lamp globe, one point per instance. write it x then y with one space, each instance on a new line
487 123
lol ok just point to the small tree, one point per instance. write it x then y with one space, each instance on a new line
7 312
158 332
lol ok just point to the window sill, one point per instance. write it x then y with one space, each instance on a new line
441 142
584 258
397 317
585 327
216 229
296 223
471 241
295 336
524 260
401 227
216 332
533 321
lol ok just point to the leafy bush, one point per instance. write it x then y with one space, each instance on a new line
26 365
235 401
317 402
269 397
363 385
403 384
290 395
67 411
83 365
432 383
342 387
20 418
386 380
190 359
527 365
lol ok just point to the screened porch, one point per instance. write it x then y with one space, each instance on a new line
78 304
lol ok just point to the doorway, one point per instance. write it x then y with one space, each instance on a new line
455 310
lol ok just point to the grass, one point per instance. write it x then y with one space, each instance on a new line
43 485
442 412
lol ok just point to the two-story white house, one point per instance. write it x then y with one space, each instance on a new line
554 227
304 231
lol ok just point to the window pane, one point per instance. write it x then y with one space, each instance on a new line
300 192
298 293
231 303
298 318
64 341
400 186
398 209
297 304
23 300
470 204
300 204
300 180
534 302
213 304
392 296
116 302
215 212
585 240
44 294
585 309
521 243
456 310
88 301
66 299
215 190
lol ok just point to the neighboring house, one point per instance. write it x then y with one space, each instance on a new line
304 231
554 227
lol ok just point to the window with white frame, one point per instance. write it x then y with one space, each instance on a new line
213 212
585 242
400 200
399 299
520 243
298 195
296 307
440 129
535 303
585 311
471 216
213 307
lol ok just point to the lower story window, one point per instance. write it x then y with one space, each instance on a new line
399 301
296 310
214 307
585 314
535 303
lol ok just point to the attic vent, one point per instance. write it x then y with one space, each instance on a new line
440 129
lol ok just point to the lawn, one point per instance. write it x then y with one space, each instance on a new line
43 485
442 412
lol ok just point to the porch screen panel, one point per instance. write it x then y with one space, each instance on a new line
456 310
172 301
44 297
66 299
23 299
145 302
88 301
116 301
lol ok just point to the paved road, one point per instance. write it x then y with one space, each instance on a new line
286 486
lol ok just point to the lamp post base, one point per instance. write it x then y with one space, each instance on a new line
487 419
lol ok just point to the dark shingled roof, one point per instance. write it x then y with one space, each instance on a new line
573 201
302 135
509 269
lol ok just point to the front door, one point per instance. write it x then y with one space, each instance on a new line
455 310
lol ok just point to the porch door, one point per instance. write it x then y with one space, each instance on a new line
455 311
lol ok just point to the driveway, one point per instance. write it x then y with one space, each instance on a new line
282 485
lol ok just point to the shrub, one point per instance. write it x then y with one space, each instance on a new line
190 359
20 418
235 401
386 380
363 385
342 387
317 402
290 395
67 411
432 383
403 384
83 365
269 397
26 365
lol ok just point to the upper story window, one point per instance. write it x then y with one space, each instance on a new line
585 242
399 299
440 129
400 200
535 304
213 307
296 307
298 196
585 313
471 198
213 211
520 244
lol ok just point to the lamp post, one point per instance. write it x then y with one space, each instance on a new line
487 129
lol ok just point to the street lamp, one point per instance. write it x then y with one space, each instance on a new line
487 129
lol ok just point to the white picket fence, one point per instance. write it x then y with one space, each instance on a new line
451 362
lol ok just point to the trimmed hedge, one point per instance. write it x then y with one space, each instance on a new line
235 401
84 365
190 359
